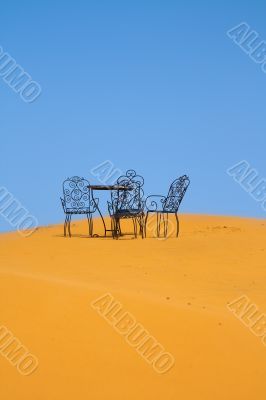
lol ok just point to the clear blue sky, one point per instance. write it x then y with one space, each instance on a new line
152 85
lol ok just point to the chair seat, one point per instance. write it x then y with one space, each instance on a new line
128 213
79 211
162 211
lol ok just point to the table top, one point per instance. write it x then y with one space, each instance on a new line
109 187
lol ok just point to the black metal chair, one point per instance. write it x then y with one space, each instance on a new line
127 203
77 200
164 205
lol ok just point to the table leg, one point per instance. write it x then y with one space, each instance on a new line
99 211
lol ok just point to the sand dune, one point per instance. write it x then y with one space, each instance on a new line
177 289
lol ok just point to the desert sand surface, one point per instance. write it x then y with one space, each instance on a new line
178 289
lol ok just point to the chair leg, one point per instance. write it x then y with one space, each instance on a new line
65 225
165 224
116 227
139 225
145 223
135 227
177 225
90 223
113 227
91 226
119 228
69 223
159 218
88 218
142 226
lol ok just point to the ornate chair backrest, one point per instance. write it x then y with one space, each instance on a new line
130 199
176 193
76 193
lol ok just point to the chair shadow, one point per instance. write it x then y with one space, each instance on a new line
95 236
80 236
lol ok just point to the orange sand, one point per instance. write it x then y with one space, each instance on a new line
177 289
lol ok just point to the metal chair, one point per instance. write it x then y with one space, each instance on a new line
126 203
77 200
165 205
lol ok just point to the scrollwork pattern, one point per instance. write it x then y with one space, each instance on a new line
77 194
131 199
176 193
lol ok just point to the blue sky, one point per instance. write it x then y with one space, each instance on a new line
152 85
